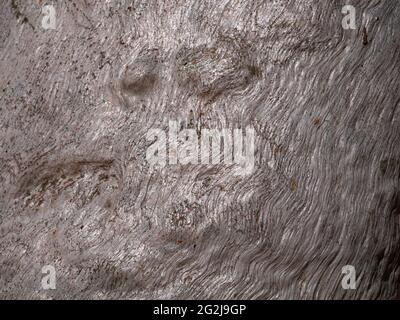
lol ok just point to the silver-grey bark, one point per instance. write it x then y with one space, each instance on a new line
77 192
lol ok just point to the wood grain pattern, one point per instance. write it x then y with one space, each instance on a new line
76 189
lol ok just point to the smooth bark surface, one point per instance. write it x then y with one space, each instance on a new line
77 192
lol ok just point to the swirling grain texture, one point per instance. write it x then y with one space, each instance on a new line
76 189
